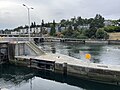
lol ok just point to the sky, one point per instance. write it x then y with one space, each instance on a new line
14 14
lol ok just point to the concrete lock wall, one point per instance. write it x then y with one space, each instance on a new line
96 41
4 52
93 74
58 67
114 42
88 73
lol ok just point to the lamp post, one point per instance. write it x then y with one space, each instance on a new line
28 8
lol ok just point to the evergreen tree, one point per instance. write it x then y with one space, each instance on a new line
63 23
42 26
42 23
79 21
96 23
53 30
34 25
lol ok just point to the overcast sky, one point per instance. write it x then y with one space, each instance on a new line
13 14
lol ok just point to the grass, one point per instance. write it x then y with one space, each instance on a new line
114 36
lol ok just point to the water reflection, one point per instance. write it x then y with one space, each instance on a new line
22 78
14 75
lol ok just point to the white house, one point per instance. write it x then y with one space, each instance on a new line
108 23
15 32
87 26
24 31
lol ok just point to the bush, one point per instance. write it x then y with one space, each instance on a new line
82 37
112 29
101 34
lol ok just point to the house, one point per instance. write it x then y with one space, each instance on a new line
86 26
24 31
15 32
108 23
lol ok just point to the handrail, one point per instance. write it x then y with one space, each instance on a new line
37 50
34 45
32 48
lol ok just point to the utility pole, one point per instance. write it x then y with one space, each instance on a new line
28 8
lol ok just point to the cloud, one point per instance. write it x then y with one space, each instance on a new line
14 14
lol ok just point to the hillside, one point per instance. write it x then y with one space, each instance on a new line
114 36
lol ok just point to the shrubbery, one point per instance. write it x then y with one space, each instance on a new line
112 29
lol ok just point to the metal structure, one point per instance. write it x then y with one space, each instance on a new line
28 8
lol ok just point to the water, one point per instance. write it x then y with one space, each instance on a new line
105 54
23 78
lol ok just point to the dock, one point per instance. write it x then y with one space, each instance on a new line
28 54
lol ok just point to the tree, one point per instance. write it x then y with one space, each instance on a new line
68 33
73 20
96 23
63 23
53 30
42 25
101 34
32 25
79 21
26 27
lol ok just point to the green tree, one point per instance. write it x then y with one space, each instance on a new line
42 26
101 34
32 25
99 21
53 30
63 23
79 21
96 23
68 33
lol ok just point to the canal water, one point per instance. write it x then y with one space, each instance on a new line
23 78
105 54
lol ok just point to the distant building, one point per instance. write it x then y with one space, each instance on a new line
87 26
15 32
1 32
24 31
47 29
118 24
32 30
108 23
